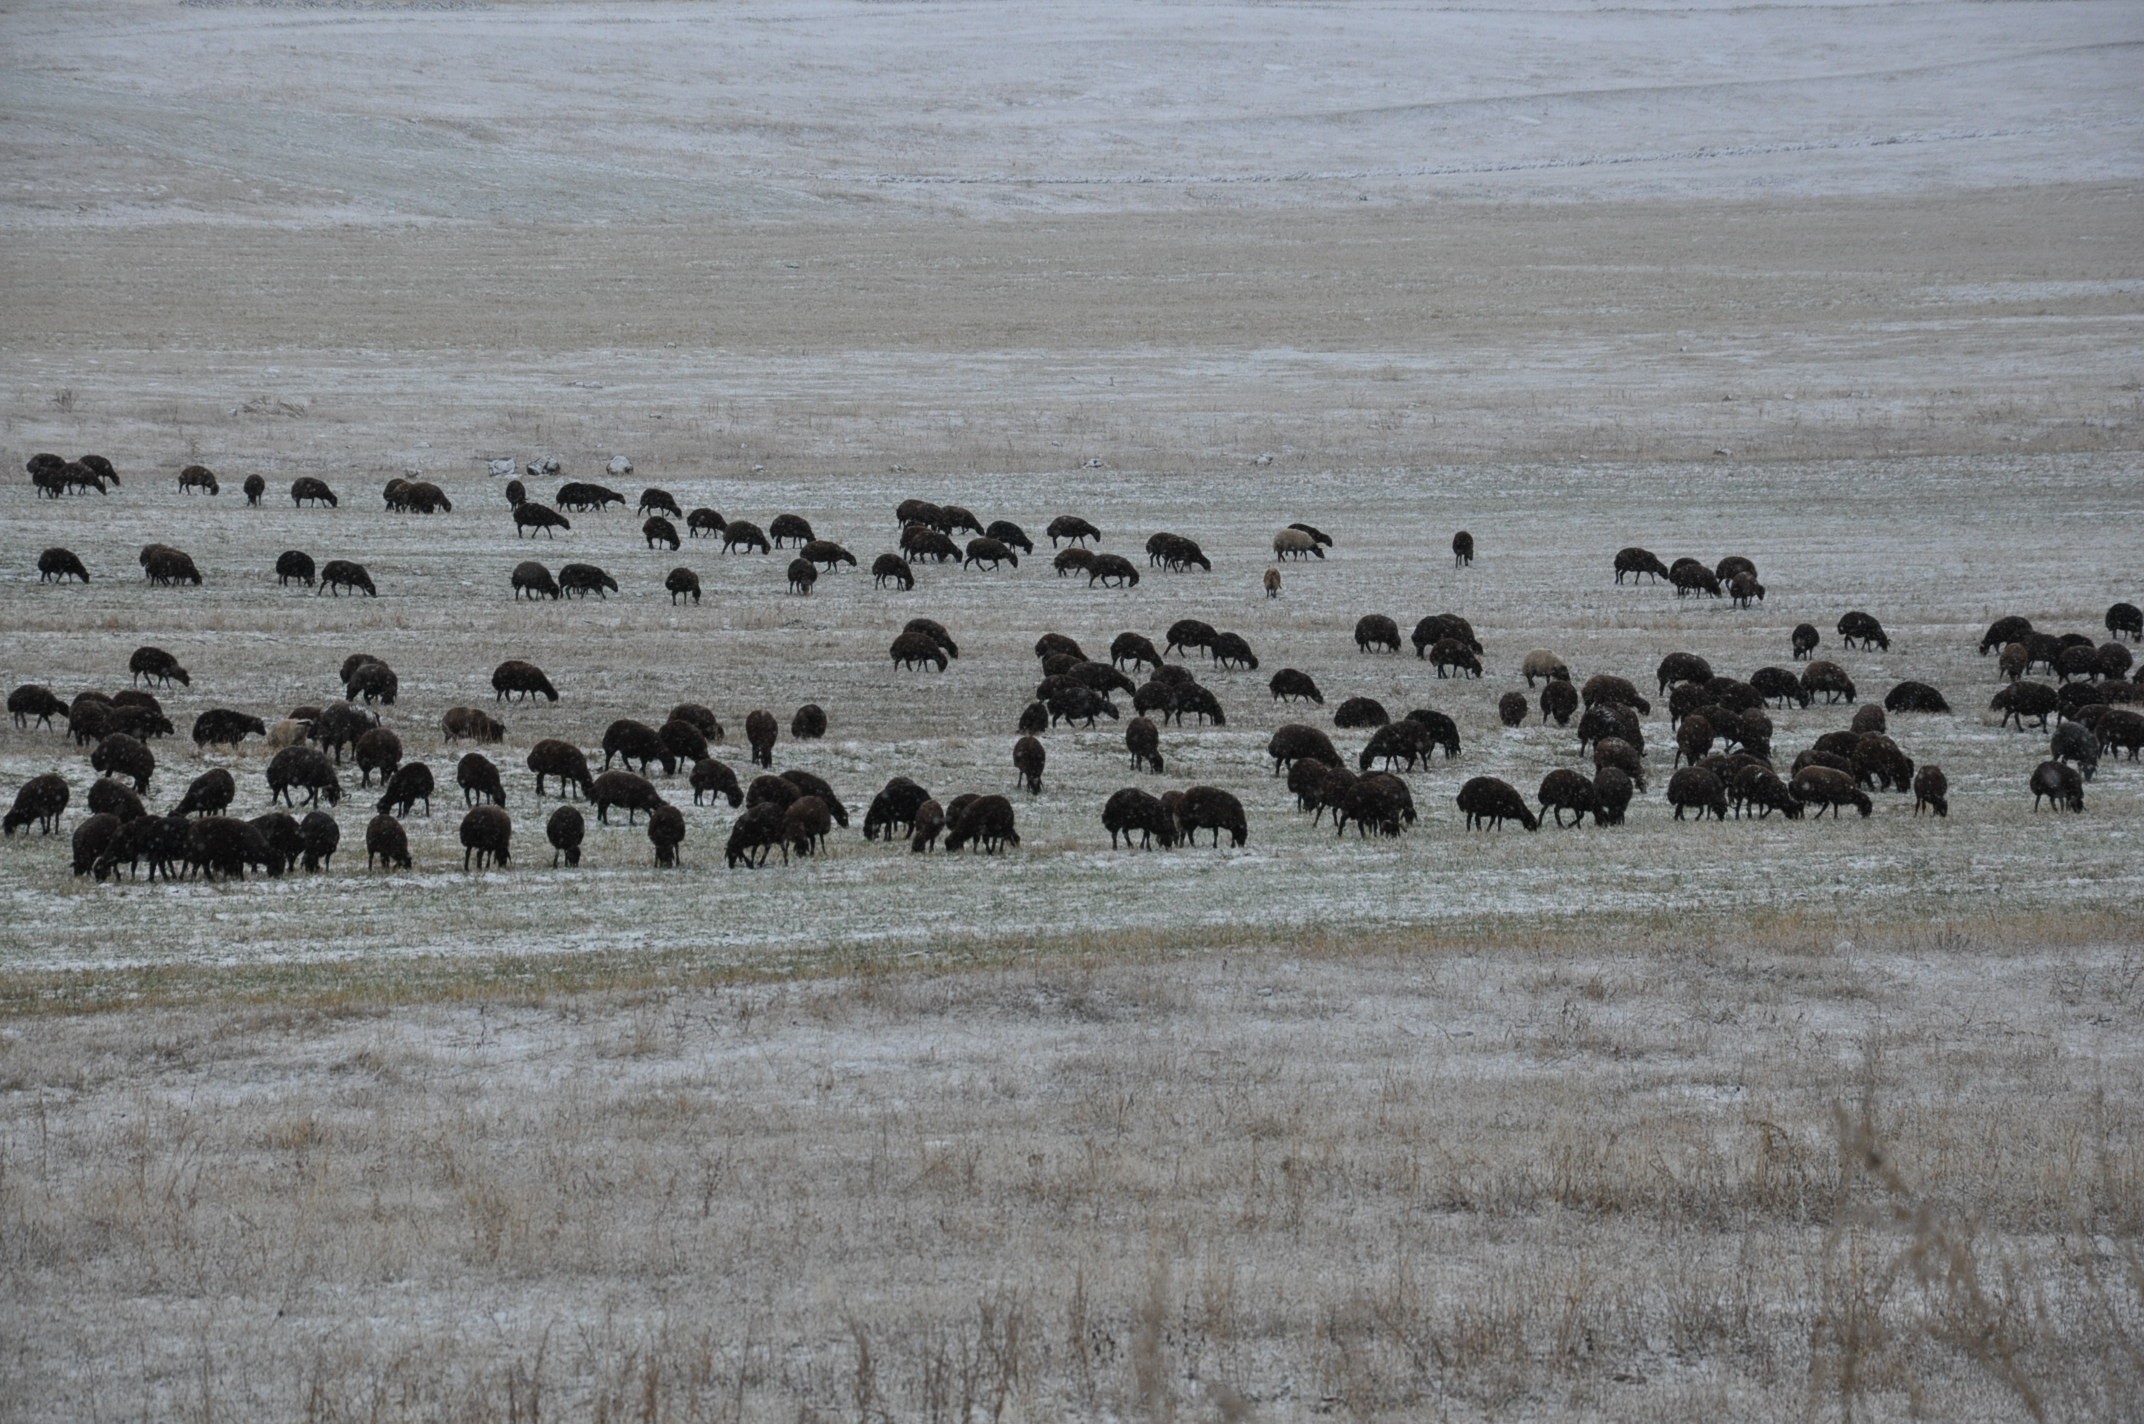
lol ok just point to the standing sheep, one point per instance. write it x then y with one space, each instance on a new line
387 843
1028 758
487 834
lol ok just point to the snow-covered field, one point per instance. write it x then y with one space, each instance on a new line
1668 1120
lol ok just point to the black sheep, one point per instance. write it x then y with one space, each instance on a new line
753 834
987 821
1559 700
40 799
521 680
623 788
487 834
1028 758
1132 810
565 831
307 488
56 565
892 568
387 843
1566 790
760 732
410 784
2060 786
802 575
808 784
1931 790
743 534
321 836
1915 697
339 574
1489 802
666 831
532 581
157 666
1188 633
1828 789
1683 667
116 797
657 501
806 824
711 778
584 579
1143 740
1208 808
478 777
1379 802
703 522
683 739
630 741
1804 640
682 583
1462 549
35 702
121 755
790 529
1072 528
912 650
1863 629
1360 712
1292 685
658 530
1635 561
1695 788
222 727
210 794
827 555
530 515
894 808
1295 742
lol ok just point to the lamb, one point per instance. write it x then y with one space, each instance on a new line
387 843
1805 640
306 769
584 579
930 820
321 836
157 666
912 650
530 515
1132 811
2059 785
703 522
2025 699
893 808
472 724
410 784
624 788
1559 700
565 831
1863 629
1683 667
633 741
657 530
41 799
1295 544
1488 802
1744 589
934 631
682 583
198 477
1566 790
1360 712
1915 697
487 834
743 534
1378 802
753 834
306 487
892 568
653 500
1829 679
1694 787
2122 619
805 825
57 565
1828 789
987 821
1073 529
210 794
760 731
1635 561
1111 570
666 832
339 574
521 681
121 755
1143 740
1291 685
1028 758
711 778
35 702
1230 650
1462 549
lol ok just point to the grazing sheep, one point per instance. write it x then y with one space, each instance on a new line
2077 661
35 702
1188 633
1230 650
803 573
653 500
410 784
423 497
1623 755
1612 790
827 555
157 666
121 755
1862 629
2124 618
91 840
487 834
1034 719
985 820
1377 802
321 836
2114 661
255 487
1635 561
894 808
1405 742
2003 632
892 568
657 530
198 477
806 825
1134 649
1566 790
920 541
743 534
2122 730
521 681
1437 628
530 515
1559 700
682 583
1462 549
1829 679
1745 590
2078 744
666 832
478 777
1295 544
918 511
1758 789
1010 534
2025 699
1511 709
1542 664
57 565
912 650
306 769
1915 697
1051 645
808 784
760 732
1076 703
578 495
753 835
552 758
1111 570
1076 559
1291 685
306 487
373 681
1449 654
340 725
1695 788
2059 785
1318 536
1609 719
930 821
1804 640
1132 811
378 750
934 631
790 529
1828 789
41 799
1072 528
472 724
532 581
703 522
1295 742
339 574
1693 739
584 579
1488 802
632 741
623 788
387 843
1689 576
1776 684
1174 553
1360 712
1683 667
1208 808
711 778
219 726
1143 740
808 722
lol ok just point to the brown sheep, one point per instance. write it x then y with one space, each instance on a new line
1462 549
1360 712
913 650
1143 740
321 836
198 477
808 784
623 788
682 739
1566 790
35 702
1868 718
1636 561
658 530
1076 559
56 565
158 667
1378 802
1272 583
1489 801
306 768
892 568
1543 664
1615 752
1295 742
122 755
1376 630
711 778
666 831
1607 687
410 784
1291 685
1208 808
378 750
1692 739
701 717
521 680
808 723
1858 628
41 799
806 825
1511 709
2059 785
1034 719
930 820
631 741
1695 788
487 834
993 552
1827 790
339 574
472 724
682 583
1132 810
307 488
790 529
2026 699
987 821
753 835
553 758
779 790
531 580
1072 528
894 808
761 731
1612 789
387 843
1558 701
1829 679
478 777
1028 759
1683 667
803 573
652 499
1931 791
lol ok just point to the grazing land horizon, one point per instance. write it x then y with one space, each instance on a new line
1741 1119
